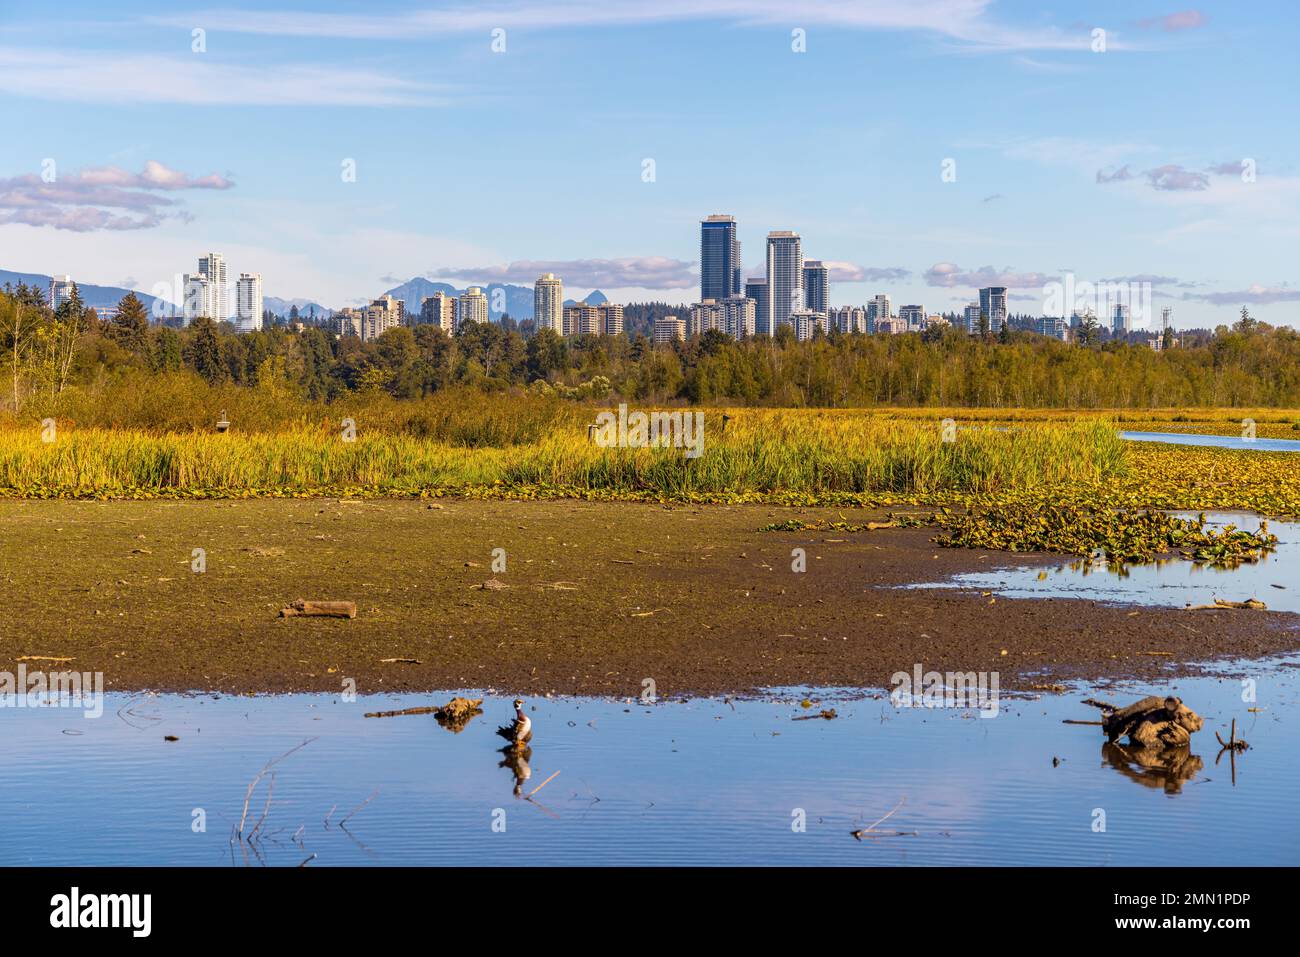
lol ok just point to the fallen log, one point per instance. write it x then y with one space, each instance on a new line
1153 722
319 609
453 715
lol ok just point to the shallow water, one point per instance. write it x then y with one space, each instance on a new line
1274 580
700 782
1216 441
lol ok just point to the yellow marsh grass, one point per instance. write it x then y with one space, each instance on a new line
758 453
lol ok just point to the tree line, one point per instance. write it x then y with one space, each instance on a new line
43 352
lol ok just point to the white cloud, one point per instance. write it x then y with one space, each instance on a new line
100 198
97 77
964 21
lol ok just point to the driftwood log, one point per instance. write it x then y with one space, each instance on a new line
319 609
1153 722
454 715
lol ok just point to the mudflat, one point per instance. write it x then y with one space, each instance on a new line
594 599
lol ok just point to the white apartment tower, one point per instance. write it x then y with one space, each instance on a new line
472 306
248 301
548 303
213 268
784 277
199 298
60 290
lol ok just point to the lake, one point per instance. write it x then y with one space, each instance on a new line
705 781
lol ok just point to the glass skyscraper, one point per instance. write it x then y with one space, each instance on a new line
720 271
784 277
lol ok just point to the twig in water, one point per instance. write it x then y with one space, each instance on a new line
542 785
359 807
872 832
252 785
270 789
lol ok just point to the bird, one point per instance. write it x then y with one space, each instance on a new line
519 731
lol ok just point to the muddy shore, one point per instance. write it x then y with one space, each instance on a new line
597 598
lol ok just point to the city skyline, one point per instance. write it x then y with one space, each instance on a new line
982 144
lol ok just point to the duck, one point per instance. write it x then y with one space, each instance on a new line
520 731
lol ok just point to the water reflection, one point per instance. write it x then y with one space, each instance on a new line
706 781
1172 583
516 758
1166 768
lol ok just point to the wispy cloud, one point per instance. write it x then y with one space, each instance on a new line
95 77
1174 178
965 21
851 272
641 272
100 198
1174 22
950 275
1255 295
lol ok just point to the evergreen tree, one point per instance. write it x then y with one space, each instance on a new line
203 352
130 327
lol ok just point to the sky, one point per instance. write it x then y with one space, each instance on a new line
924 148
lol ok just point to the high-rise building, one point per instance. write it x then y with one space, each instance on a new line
993 303
972 316
784 277
738 316
816 286
611 316
381 315
912 317
669 328
806 323
348 321
248 301
848 319
756 289
580 319
1119 320
719 258
1054 326
439 310
878 310
707 315
213 268
199 298
472 306
60 290
548 303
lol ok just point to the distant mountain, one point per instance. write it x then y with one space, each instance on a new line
595 298
281 307
518 299
97 296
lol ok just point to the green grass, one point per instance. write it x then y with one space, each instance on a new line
761 455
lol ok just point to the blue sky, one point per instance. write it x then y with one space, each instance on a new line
480 165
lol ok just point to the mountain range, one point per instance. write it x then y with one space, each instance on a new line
518 299
96 296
